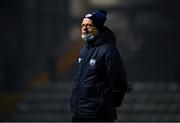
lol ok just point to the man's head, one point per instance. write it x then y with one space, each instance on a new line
92 24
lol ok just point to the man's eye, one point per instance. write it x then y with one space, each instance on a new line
89 26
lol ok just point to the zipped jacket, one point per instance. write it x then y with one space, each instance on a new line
100 79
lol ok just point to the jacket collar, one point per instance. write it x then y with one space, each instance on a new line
105 37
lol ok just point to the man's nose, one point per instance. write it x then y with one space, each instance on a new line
85 28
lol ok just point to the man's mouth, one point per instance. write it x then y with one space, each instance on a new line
84 33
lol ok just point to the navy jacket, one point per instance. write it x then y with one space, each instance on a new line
100 80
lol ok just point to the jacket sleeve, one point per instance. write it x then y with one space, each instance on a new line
116 75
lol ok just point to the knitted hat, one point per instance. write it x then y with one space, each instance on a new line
98 18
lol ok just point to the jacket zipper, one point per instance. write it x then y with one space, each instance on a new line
79 80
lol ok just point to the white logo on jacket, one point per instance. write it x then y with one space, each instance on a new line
92 62
79 60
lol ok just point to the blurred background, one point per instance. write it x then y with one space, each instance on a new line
40 40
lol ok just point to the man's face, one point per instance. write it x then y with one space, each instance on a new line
88 27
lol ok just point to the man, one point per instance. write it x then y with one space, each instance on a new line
100 81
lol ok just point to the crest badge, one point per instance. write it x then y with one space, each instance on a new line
92 62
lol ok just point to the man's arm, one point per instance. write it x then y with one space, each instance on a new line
116 75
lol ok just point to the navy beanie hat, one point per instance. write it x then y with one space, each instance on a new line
98 18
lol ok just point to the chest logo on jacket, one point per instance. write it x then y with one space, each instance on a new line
92 62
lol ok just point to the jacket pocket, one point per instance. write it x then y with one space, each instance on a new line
88 97
91 69
88 92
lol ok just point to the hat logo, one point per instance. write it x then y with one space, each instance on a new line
88 15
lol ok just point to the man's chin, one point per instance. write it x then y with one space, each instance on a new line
84 34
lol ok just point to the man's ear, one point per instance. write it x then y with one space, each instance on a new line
95 31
